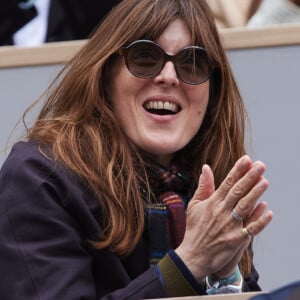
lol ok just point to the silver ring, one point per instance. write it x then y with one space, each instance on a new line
245 233
236 215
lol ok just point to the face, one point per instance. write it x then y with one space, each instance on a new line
137 102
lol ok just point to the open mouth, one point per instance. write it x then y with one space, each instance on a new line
162 107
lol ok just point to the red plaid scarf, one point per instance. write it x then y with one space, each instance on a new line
166 219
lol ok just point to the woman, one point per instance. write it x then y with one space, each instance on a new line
93 202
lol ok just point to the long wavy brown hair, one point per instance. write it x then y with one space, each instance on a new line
78 124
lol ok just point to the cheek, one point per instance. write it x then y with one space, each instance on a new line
123 85
199 98
115 81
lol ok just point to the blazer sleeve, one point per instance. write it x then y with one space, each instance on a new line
43 254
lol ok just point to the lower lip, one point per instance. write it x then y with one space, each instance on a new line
161 118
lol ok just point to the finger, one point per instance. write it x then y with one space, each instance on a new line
254 228
240 168
206 184
245 205
256 213
245 188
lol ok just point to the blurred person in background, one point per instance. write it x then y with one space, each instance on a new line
33 22
234 13
273 12
254 13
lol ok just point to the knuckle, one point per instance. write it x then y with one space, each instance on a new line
230 181
243 205
238 190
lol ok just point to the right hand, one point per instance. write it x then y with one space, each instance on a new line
213 242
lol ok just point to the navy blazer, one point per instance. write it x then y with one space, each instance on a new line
47 219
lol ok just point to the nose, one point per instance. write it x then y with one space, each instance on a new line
167 75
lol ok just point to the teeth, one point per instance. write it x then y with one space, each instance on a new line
162 105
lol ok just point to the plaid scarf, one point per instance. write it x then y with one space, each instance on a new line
165 219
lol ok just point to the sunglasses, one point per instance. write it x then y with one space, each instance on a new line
146 59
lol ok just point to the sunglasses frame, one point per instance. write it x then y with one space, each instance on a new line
123 51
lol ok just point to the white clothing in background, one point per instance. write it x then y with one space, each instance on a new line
275 12
34 32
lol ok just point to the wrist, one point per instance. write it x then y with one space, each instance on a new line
177 279
189 261
229 284
224 274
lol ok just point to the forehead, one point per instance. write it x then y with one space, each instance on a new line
175 37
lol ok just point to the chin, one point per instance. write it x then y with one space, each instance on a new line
162 153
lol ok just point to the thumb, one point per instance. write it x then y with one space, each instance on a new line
206 185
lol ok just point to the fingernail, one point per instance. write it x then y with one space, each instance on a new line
259 167
245 162
264 184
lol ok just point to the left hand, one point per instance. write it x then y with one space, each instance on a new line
208 188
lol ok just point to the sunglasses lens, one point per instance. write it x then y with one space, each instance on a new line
193 65
144 59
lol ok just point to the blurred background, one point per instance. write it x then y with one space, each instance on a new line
33 22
